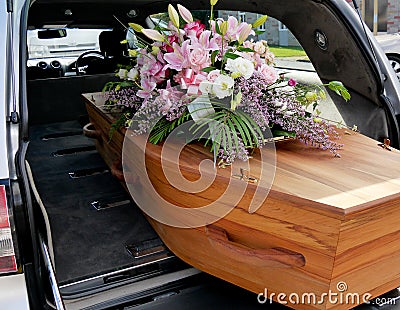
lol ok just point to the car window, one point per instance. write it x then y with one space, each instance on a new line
73 44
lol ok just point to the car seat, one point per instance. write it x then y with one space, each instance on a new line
112 51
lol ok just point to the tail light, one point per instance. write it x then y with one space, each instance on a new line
7 254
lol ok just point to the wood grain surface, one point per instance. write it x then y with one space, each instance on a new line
327 220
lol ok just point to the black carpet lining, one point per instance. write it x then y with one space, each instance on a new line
86 242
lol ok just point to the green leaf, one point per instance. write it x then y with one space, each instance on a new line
213 56
208 69
206 121
164 127
245 49
247 138
217 29
233 130
240 129
283 133
229 137
109 86
118 124
223 137
339 89
126 83
231 56
217 142
252 126
258 32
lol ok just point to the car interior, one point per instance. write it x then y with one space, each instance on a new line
103 250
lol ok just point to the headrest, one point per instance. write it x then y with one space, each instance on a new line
110 43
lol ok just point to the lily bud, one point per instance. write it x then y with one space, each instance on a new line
261 20
236 100
136 27
173 15
185 13
155 50
213 2
244 34
153 34
223 27
132 53
322 94
311 96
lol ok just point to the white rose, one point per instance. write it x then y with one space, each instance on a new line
223 86
260 48
205 87
122 73
132 74
240 65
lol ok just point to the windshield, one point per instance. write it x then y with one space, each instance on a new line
73 44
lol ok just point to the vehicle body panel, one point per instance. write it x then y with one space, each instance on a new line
17 299
13 293
390 43
3 99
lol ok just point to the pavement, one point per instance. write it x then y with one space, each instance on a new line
297 63
302 70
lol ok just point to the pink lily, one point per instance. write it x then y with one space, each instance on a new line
244 33
179 58
185 13
153 34
147 87
204 42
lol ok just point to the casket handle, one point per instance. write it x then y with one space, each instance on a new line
91 133
123 176
272 257
116 170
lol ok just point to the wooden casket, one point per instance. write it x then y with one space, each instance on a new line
327 235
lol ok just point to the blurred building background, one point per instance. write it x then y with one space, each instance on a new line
381 16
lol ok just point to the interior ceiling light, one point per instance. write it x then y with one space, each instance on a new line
321 39
68 12
132 13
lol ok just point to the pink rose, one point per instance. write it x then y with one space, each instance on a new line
292 82
212 75
194 28
199 58
268 73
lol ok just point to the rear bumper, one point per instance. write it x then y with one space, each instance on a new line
13 292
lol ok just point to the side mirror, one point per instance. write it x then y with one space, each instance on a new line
52 33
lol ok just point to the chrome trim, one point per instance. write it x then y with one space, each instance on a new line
52 276
115 272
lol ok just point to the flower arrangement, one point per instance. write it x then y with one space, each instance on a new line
222 80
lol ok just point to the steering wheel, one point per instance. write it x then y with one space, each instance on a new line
85 59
